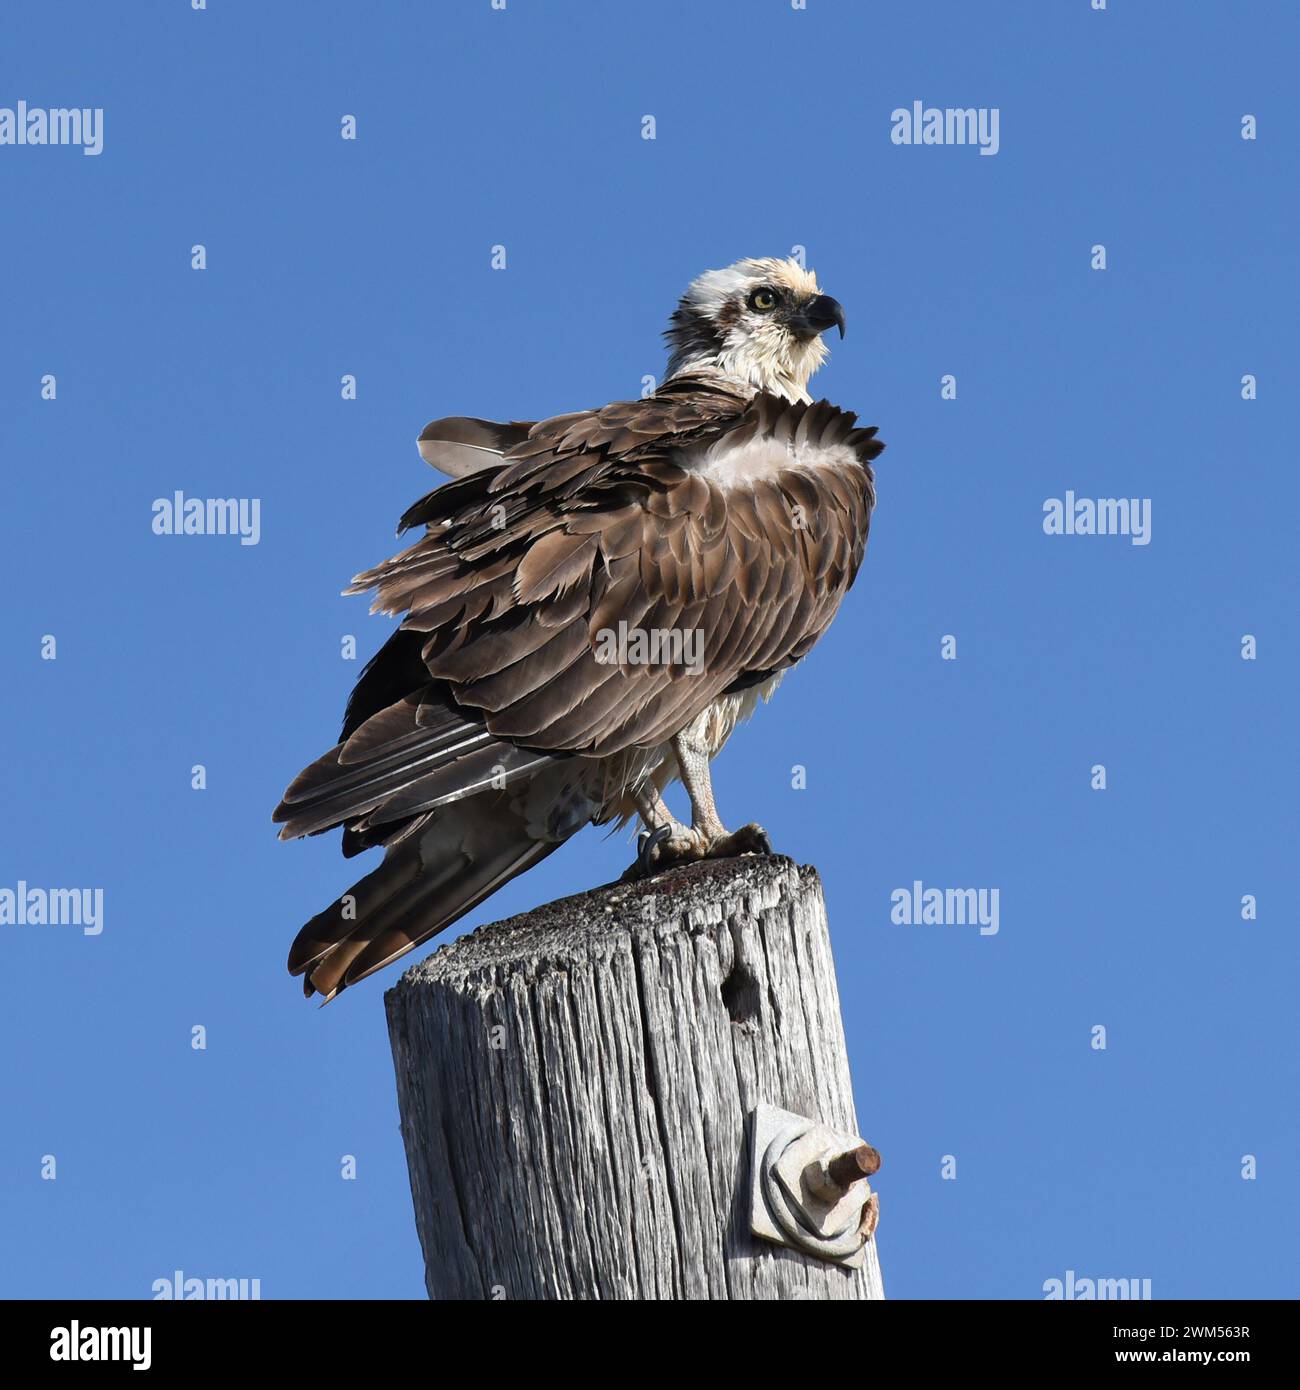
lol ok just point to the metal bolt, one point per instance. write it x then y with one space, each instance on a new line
847 1168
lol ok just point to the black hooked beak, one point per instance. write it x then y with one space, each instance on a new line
819 314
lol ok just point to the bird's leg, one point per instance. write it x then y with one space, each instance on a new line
693 762
665 840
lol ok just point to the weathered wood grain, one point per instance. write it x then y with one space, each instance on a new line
575 1084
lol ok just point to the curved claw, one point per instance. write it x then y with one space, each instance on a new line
761 840
646 844
749 839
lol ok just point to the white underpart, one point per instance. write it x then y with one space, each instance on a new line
731 465
603 783
715 725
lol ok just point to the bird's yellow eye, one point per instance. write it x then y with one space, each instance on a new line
763 300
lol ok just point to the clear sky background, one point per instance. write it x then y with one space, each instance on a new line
1120 908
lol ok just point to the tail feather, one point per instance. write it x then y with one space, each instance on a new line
428 880
329 928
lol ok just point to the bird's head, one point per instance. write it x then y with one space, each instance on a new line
759 320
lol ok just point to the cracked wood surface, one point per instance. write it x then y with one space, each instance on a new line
575 1085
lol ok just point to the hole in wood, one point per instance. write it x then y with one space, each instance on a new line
741 996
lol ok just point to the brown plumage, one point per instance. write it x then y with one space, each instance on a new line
494 724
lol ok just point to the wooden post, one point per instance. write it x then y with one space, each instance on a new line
575 1086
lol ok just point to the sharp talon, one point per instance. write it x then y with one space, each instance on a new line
749 839
646 844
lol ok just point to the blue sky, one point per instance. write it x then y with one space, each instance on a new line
1119 908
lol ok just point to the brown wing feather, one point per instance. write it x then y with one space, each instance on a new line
604 517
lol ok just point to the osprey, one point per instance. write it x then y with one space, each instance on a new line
540 679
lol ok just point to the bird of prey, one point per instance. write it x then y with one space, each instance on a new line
595 602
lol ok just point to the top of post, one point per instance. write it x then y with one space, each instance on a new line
703 893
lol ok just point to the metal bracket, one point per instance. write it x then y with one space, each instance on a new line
809 1187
